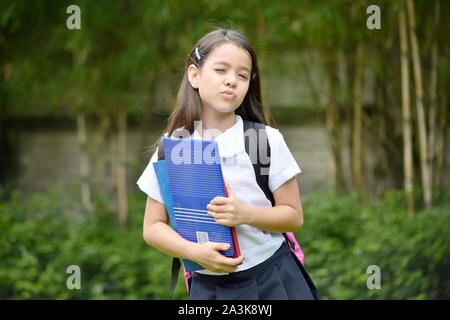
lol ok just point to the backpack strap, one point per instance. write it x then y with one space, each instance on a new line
161 155
263 180
261 139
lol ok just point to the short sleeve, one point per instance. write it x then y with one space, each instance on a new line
283 165
148 182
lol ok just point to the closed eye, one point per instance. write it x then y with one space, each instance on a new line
243 76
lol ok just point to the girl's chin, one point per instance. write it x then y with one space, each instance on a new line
224 109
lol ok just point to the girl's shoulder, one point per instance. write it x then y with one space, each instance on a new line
273 134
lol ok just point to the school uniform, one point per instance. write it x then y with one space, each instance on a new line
269 270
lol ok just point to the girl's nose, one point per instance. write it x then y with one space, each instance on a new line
230 81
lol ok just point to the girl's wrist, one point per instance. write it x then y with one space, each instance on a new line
191 251
247 213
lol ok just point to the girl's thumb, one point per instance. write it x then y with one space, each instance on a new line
222 246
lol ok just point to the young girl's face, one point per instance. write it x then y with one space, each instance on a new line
224 78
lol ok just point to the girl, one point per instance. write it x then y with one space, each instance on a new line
219 90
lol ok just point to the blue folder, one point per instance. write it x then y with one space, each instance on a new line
161 174
190 177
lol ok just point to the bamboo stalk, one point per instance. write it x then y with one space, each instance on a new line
433 99
433 108
381 154
103 154
84 162
121 176
406 114
332 122
421 118
441 140
357 162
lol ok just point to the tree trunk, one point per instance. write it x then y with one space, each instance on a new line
381 173
84 162
262 44
121 174
406 114
357 154
332 124
433 100
433 108
441 141
306 60
114 163
103 155
421 118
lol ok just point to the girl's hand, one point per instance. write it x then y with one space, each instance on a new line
207 255
228 211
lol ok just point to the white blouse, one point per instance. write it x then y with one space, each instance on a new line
256 245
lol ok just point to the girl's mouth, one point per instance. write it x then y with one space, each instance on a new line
228 96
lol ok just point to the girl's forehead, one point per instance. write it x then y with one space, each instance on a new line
231 54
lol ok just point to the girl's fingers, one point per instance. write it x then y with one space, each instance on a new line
230 264
223 219
234 262
216 207
219 200
220 245
218 215
237 261
225 222
229 269
225 264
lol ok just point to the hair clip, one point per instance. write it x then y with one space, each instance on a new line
197 54
254 75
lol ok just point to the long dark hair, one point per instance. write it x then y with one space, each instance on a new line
188 103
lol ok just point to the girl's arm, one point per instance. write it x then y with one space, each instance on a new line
159 234
285 216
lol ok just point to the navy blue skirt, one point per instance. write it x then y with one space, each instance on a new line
277 278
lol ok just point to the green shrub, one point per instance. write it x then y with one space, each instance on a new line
39 241
343 234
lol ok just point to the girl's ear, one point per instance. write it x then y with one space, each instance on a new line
193 75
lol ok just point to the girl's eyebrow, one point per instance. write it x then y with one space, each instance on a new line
229 65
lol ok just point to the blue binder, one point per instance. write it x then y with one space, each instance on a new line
194 178
161 174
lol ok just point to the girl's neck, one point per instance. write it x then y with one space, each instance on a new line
215 123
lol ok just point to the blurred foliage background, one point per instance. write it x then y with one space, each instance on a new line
381 97
343 235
